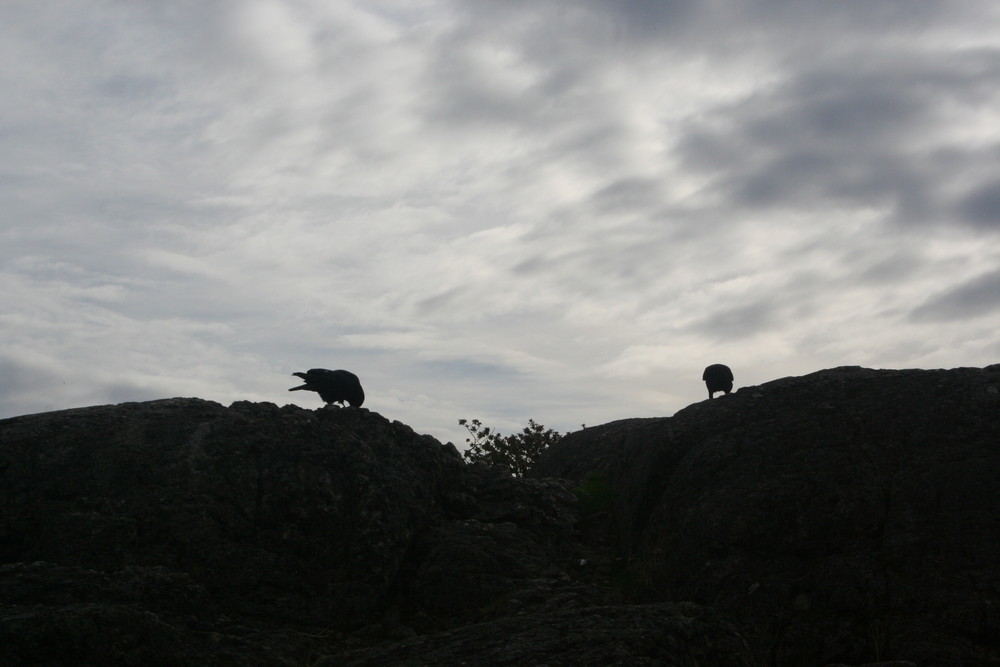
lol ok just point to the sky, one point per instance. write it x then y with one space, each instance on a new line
491 209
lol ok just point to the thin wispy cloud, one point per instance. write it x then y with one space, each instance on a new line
561 211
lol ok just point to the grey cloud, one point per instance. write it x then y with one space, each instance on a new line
629 19
467 370
564 47
652 19
465 95
739 321
890 269
832 107
442 300
27 387
675 24
15 375
981 206
129 87
847 137
533 265
825 110
859 18
975 298
606 265
628 194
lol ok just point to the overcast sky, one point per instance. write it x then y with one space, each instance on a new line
493 209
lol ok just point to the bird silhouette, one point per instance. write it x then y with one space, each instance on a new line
333 386
718 377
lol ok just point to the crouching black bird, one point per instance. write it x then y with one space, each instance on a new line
718 377
333 386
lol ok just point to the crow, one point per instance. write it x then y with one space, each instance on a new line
718 377
333 386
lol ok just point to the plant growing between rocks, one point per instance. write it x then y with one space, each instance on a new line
517 451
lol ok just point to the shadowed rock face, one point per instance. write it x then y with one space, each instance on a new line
181 532
841 516
279 511
663 634
846 516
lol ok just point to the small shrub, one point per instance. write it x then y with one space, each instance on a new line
518 451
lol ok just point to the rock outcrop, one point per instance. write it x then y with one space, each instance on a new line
181 532
848 516
845 516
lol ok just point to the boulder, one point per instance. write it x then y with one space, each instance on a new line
297 515
843 516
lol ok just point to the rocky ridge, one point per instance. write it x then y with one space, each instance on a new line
845 517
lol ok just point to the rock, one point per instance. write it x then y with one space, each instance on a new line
845 517
838 516
664 635
57 615
286 512
164 522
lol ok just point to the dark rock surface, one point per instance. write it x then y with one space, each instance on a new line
843 516
246 500
666 635
850 516
184 532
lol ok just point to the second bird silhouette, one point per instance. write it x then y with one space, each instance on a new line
718 377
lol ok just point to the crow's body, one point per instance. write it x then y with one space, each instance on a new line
333 386
718 377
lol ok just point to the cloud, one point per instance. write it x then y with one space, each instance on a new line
974 298
980 206
493 210
740 322
849 138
